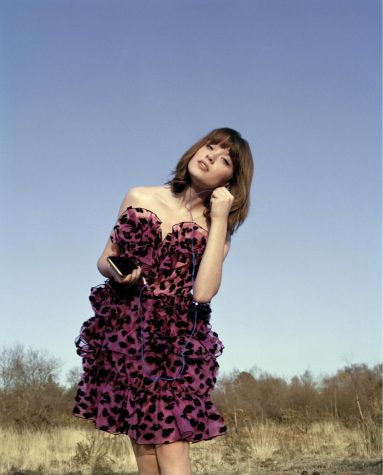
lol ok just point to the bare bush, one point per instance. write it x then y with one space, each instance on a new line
351 397
29 392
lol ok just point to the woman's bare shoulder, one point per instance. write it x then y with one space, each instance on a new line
142 196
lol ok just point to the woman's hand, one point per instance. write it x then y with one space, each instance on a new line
221 201
129 279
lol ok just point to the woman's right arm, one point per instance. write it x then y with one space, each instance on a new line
112 249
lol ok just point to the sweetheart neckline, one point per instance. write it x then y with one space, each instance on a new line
164 238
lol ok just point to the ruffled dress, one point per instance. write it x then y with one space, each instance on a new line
149 352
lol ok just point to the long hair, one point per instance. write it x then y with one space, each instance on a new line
240 182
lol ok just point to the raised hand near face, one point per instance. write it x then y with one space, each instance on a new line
221 202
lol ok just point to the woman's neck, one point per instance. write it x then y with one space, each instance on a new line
193 198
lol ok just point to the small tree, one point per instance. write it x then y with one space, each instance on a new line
29 392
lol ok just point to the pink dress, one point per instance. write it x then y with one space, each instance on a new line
149 354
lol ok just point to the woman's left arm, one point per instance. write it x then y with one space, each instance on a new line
208 279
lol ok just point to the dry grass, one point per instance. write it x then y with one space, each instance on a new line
254 449
268 447
65 450
322 439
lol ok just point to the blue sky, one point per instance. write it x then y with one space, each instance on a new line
99 96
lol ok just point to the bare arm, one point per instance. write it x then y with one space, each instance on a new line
208 279
112 249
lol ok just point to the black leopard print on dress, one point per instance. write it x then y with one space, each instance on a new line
131 382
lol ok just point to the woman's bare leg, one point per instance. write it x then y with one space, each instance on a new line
173 458
146 458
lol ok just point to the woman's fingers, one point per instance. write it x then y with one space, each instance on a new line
132 277
221 202
128 279
136 273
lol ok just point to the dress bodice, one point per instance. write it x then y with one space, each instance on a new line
166 261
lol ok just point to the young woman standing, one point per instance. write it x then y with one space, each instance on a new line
149 352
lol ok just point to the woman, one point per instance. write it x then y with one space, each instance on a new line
149 353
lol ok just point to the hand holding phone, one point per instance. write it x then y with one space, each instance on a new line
122 265
124 270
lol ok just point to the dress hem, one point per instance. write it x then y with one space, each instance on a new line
151 442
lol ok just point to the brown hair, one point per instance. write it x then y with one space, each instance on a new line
240 182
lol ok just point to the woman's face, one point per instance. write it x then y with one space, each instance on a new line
211 166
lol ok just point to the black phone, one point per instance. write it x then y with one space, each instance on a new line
122 265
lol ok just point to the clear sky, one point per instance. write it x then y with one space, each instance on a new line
100 96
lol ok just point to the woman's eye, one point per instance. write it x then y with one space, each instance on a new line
209 147
226 161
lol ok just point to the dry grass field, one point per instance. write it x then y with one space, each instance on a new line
305 426
268 449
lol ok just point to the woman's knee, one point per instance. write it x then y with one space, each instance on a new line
146 458
143 449
173 451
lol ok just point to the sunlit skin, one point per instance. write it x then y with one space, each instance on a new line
219 167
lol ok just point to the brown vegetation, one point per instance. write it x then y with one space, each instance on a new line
352 397
273 424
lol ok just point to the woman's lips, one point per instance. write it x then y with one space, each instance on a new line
203 166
